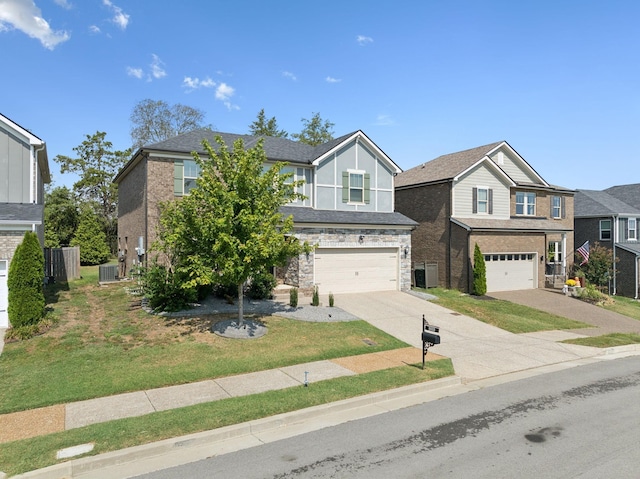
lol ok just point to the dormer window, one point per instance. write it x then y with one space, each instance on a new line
525 203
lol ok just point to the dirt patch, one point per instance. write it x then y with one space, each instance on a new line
32 423
365 363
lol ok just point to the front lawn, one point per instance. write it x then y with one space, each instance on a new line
625 306
102 344
511 317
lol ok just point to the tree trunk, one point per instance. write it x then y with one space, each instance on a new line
240 305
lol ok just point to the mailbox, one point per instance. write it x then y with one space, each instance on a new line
428 337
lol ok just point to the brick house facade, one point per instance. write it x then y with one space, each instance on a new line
354 238
488 196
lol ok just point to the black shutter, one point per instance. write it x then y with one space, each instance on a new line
490 200
474 206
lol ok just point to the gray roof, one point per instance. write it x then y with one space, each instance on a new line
309 215
593 203
513 224
631 247
26 213
276 149
444 167
629 194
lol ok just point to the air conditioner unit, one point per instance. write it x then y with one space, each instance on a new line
107 273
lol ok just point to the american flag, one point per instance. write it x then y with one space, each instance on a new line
584 251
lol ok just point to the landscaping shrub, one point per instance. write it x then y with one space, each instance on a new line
293 297
25 283
479 273
262 285
591 294
165 291
331 300
91 239
315 299
225 291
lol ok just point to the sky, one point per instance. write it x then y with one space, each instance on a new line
557 79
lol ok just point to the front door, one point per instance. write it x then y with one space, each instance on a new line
4 294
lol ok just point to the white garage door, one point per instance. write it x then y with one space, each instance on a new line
510 271
356 270
4 293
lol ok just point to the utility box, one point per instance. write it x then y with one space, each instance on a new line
107 273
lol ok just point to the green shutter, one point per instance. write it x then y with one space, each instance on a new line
367 188
178 180
345 186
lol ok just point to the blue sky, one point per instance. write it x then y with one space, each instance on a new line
558 80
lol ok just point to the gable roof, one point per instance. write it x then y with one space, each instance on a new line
39 145
449 167
629 194
592 203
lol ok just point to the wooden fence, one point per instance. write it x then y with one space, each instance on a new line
62 264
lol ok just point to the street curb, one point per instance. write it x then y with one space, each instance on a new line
96 464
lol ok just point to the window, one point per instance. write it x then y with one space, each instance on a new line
483 200
356 188
190 175
556 207
605 230
554 253
631 229
525 203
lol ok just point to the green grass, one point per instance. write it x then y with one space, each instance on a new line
607 340
625 306
21 456
505 315
100 347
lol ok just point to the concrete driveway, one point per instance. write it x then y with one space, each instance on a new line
478 350
555 302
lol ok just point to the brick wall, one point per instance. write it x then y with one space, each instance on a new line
9 241
430 207
131 212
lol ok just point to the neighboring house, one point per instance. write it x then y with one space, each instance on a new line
348 213
490 196
611 219
24 169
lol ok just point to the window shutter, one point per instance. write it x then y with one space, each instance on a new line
563 212
551 209
474 200
345 186
178 182
367 188
490 200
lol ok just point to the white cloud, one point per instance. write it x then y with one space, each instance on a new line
289 75
25 16
332 80
135 72
384 120
94 29
195 83
157 70
119 17
64 4
363 40
224 93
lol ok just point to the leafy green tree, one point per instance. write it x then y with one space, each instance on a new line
263 127
315 132
155 120
60 217
91 239
25 282
599 269
97 164
479 272
234 214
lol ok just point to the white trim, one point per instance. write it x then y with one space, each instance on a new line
491 164
515 153
484 188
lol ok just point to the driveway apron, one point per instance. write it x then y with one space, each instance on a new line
555 302
478 350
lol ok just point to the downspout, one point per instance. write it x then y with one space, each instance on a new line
637 258
614 227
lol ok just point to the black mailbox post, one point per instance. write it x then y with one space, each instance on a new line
429 338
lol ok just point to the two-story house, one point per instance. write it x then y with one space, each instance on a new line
24 170
492 197
361 244
611 219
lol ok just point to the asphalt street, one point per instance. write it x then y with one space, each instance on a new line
580 422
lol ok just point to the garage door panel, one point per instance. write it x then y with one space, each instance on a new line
356 269
510 271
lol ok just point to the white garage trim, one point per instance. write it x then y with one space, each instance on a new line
4 294
356 270
511 271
